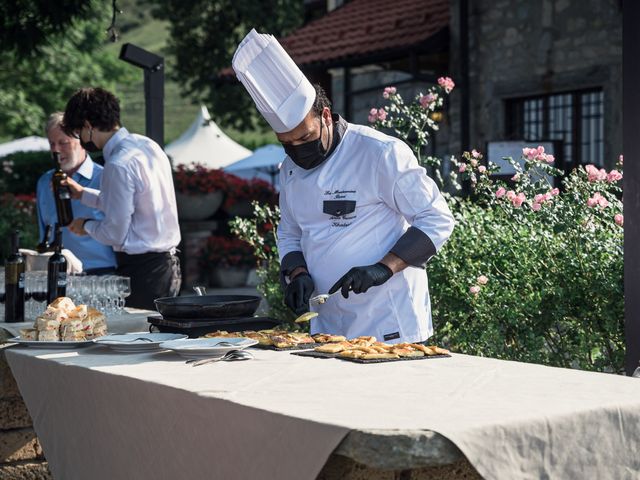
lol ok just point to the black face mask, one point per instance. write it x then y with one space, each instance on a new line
89 146
308 155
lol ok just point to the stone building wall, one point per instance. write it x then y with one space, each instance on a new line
535 47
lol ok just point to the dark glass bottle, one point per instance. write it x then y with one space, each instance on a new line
14 282
61 193
44 246
57 270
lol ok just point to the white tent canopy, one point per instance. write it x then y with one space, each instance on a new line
204 143
26 144
264 164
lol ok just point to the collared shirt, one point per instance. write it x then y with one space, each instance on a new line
92 254
137 197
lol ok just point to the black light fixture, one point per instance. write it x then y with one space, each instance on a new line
153 66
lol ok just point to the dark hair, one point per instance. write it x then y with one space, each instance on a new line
321 100
96 105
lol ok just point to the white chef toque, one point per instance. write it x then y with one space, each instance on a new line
281 92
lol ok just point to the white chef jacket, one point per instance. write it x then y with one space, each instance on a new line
350 211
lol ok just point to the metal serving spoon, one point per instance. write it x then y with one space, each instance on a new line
230 355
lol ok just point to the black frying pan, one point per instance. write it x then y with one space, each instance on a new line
207 306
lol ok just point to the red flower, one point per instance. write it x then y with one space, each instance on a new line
196 179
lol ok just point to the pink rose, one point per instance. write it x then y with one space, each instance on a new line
500 192
592 173
482 169
426 100
382 114
373 118
592 202
518 200
614 176
446 83
511 195
540 149
475 153
548 196
539 198
535 206
549 159
388 91
515 178
474 290
555 191
620 158
482 280
603 202
618 218
462 168
473 162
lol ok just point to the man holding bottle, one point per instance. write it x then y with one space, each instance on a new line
136 196
96 258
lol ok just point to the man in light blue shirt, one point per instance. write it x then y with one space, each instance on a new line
97 258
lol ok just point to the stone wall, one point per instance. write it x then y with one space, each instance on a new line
21 456
523 47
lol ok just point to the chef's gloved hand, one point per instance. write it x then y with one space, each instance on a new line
361 279
298 292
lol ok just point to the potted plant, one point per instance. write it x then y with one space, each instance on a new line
241 192
228 261
199 191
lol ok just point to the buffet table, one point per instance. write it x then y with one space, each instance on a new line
106 415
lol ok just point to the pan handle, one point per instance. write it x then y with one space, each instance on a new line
200 290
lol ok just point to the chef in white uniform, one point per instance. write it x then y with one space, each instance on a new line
358 214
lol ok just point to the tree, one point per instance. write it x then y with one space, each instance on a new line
27 25
204 36
33 86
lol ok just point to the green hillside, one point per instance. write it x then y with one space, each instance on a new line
137 26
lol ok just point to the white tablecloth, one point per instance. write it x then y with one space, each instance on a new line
103 415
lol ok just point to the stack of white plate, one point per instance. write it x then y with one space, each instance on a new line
137 342
206 347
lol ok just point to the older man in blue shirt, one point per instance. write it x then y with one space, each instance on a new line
97 258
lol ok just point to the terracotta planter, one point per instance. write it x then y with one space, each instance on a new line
229 277
198 207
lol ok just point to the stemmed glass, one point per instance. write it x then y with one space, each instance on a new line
124 290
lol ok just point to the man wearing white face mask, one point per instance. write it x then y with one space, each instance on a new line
97 258
358 214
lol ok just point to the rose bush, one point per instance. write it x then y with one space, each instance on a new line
260 232
532 272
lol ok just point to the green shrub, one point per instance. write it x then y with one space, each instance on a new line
259 232
21 171
531 273
17 212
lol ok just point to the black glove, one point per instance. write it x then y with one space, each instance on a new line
361 279
298 292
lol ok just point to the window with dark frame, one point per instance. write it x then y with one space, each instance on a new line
575 118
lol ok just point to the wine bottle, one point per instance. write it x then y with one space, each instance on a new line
14 282
57 270
61 193
44 246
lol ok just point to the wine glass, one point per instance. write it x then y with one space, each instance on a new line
124 289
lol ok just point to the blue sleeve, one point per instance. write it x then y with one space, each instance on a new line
40 199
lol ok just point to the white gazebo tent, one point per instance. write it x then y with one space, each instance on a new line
26 144
204 143
264 163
